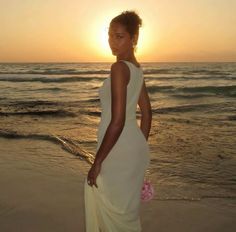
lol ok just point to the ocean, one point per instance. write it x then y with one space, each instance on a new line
192 140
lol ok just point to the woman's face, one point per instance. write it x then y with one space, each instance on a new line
119 39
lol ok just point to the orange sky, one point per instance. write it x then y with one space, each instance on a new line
76 30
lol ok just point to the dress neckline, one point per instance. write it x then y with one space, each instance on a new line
133 64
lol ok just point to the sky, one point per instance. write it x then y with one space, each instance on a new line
76 30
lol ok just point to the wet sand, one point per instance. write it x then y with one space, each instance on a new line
44 192
60 209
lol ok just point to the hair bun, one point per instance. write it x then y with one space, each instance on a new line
133 17
131 20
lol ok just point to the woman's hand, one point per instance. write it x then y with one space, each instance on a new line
93 173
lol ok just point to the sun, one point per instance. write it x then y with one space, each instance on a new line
98 39
103 40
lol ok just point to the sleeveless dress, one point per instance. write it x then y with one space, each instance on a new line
115 205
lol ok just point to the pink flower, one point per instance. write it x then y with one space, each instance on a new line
147 192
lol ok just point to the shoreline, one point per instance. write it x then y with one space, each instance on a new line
42 190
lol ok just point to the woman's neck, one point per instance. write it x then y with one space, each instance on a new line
131 59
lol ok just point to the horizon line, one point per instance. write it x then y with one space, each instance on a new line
75 62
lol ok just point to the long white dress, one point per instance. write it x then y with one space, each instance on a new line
115 205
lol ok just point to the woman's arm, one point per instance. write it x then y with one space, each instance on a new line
120 76
146 111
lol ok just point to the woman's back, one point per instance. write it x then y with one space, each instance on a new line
133 91
122 173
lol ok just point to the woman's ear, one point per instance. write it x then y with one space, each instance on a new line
135 39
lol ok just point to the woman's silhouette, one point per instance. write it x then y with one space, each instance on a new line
113 186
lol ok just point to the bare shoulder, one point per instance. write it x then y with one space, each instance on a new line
120 71
120 67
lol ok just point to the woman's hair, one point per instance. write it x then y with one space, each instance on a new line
130 20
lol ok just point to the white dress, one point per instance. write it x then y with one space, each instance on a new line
115 205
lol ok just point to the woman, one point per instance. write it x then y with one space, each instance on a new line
114 182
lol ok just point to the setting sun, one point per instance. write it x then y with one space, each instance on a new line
33 31
100 39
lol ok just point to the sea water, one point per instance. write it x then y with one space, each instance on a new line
192 139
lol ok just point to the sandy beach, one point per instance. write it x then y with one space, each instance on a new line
37 197
58 207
